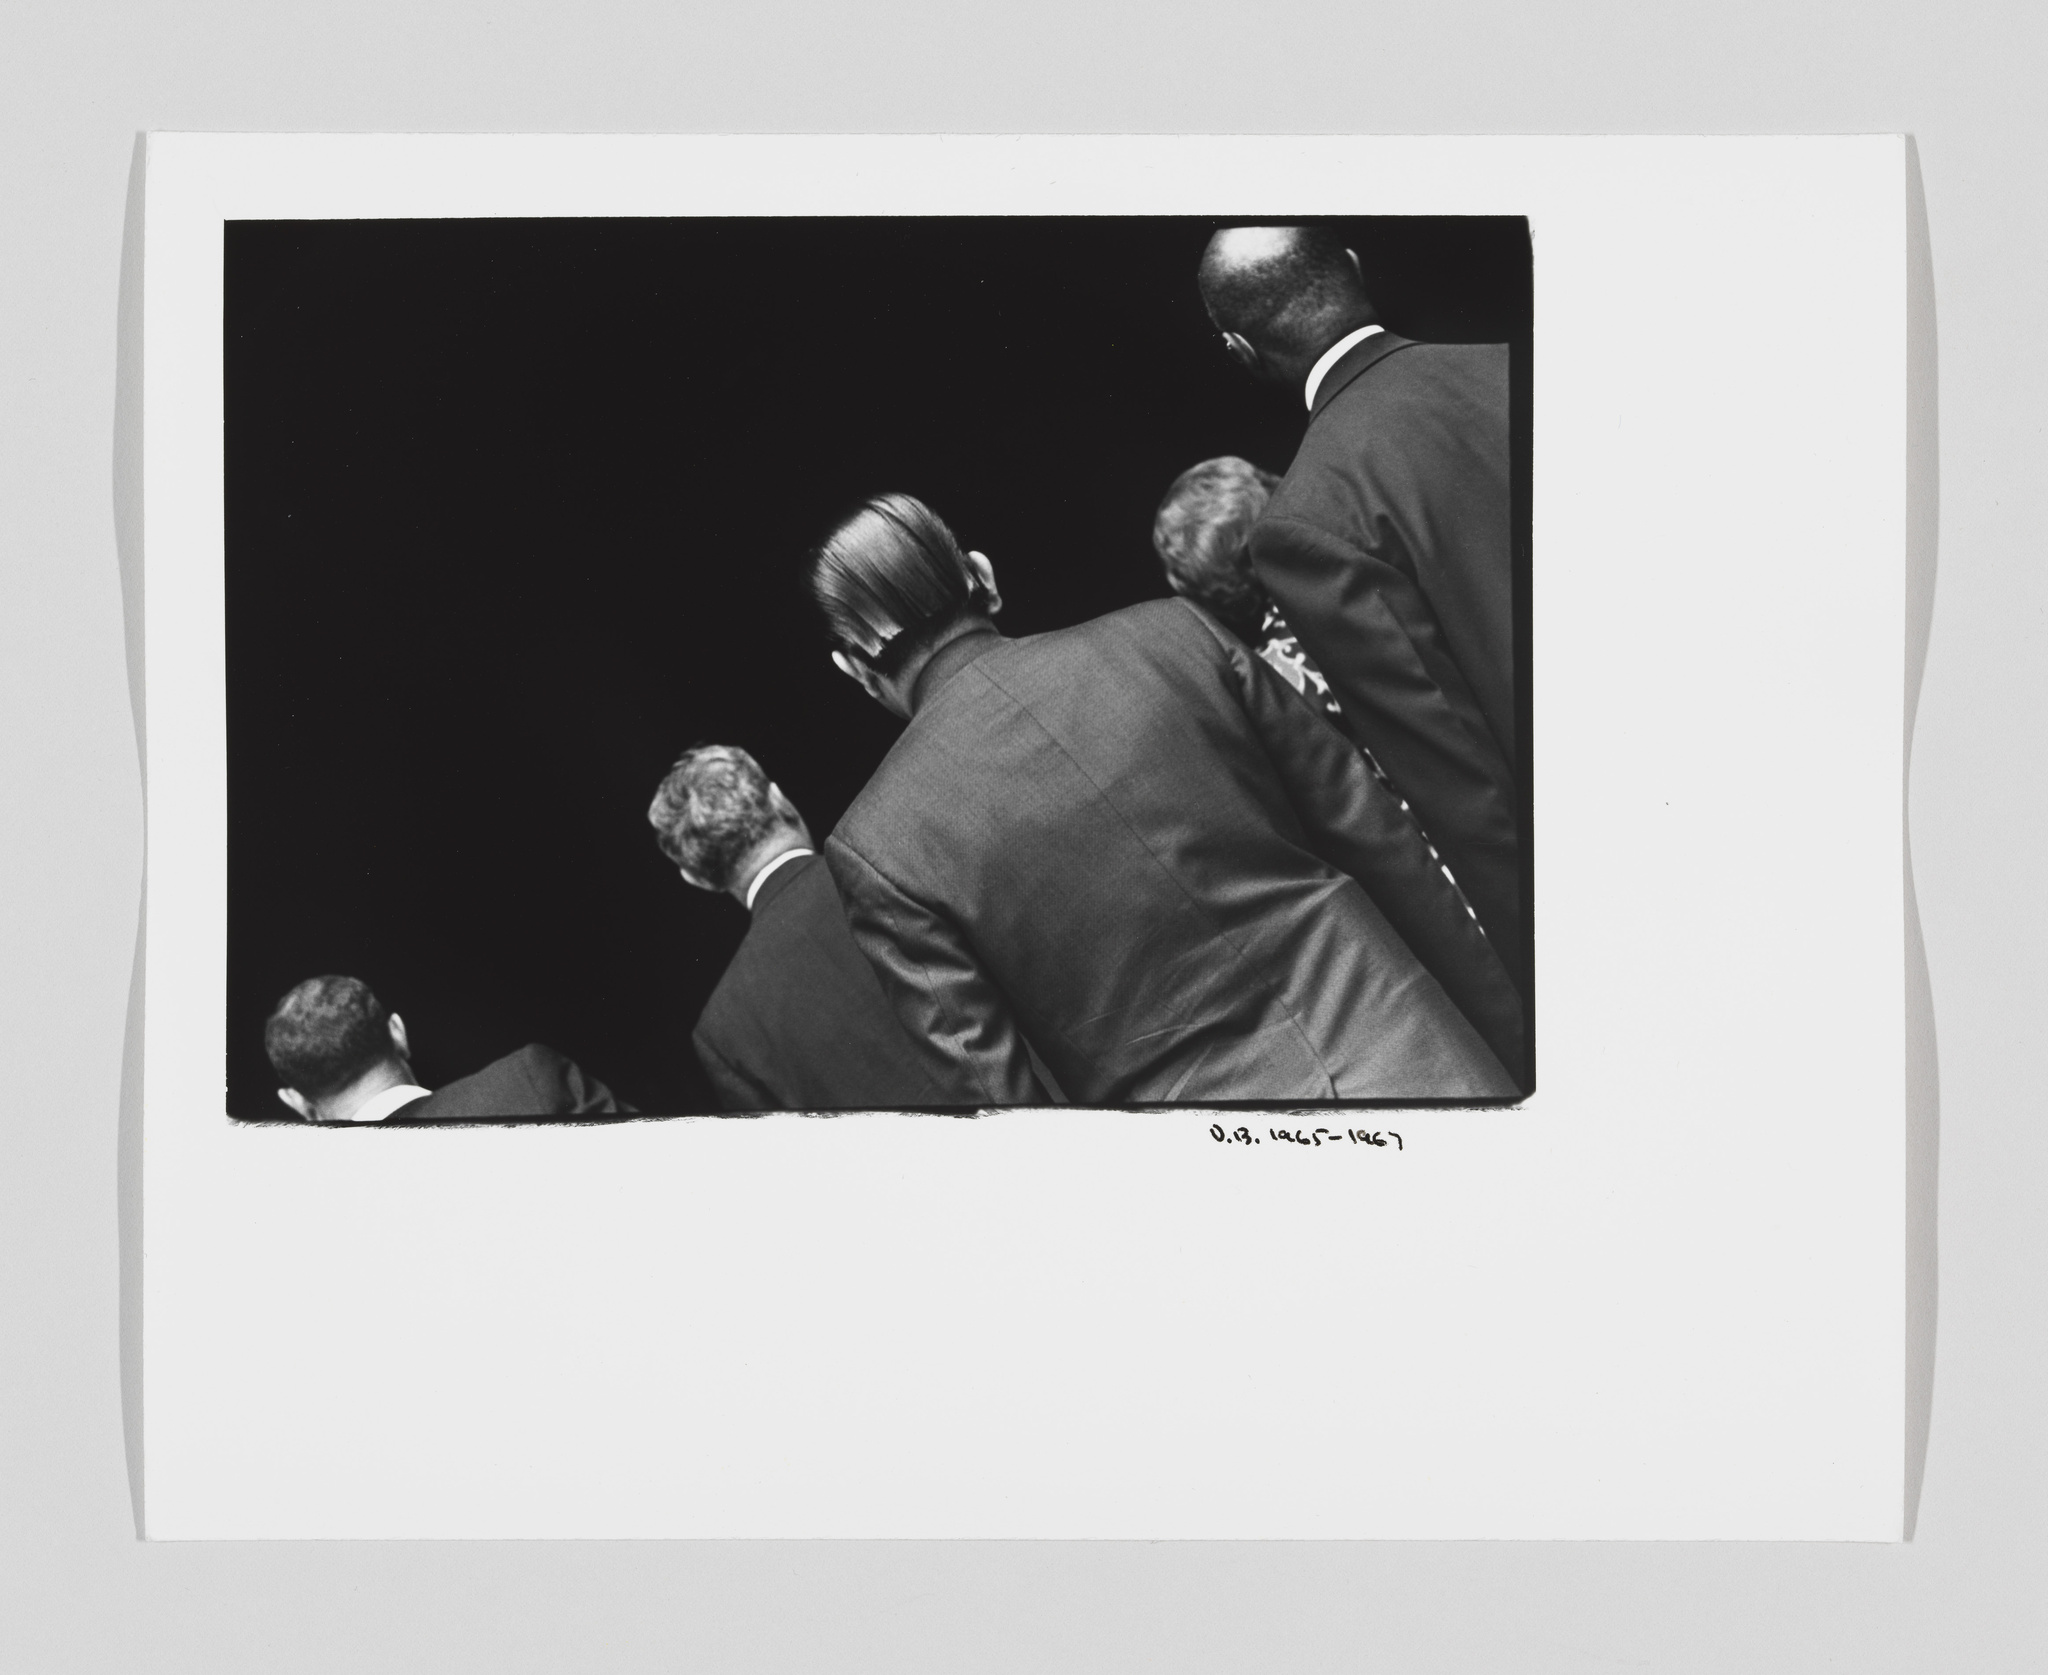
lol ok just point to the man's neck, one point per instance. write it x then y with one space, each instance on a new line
347 1105
912 684
772 853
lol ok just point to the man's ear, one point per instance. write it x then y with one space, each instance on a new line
778 799
1355 268
858 672
297 1101
984 574
1241 350
396 1025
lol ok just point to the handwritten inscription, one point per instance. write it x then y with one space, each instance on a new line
1242 1136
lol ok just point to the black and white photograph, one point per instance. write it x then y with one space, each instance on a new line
1136 840
1057 785
747 664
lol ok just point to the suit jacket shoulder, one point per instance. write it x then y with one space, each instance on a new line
798 1021
1124 848
1420 437
1158 643
536 1081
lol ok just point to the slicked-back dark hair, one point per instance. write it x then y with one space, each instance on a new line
326 1034
888 579
1200 532
1293 292
714 806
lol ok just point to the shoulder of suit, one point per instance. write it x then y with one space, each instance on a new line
528 1058
1175 609
452 1096
1150 616
1186 611
805 872
1025 669
842 851
1150 621
786 902
1367 425
789 882
1354 429
1414 367
541 1063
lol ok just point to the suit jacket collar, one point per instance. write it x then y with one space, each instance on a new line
1371 352
778 881
380 1107
949 660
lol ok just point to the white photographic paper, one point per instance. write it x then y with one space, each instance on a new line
1661 1298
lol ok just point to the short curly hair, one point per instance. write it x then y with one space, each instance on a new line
326 1034
1200 531
714 807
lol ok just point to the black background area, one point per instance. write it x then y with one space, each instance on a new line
512 513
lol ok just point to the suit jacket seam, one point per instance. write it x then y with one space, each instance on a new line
1328 534
924 976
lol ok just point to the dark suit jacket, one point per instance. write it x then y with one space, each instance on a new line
1389 549
1130 844
536 1081
798 1022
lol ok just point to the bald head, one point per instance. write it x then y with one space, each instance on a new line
1290 292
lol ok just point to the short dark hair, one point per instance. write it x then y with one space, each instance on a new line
714 807
1200 533
888 579
1291 290
327 1033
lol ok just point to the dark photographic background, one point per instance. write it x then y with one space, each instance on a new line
512 513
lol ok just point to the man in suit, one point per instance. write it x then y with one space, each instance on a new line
1389 545
1202 534
1130 847
341 1058
798 1021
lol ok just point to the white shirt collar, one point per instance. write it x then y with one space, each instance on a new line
1331 356
380 1105
761 877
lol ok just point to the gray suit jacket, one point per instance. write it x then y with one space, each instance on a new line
535 1082
1133 846
798 1022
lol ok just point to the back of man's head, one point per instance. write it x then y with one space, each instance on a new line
326 1035
1289 291
888 579
1200 534
715 808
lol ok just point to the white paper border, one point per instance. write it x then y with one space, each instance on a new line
1664 1299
